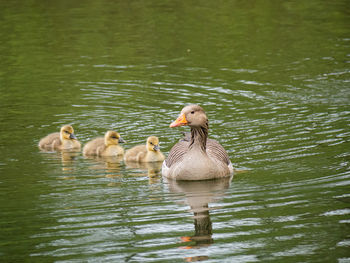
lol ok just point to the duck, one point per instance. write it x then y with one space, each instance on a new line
196 157
63 140
105 146
145 153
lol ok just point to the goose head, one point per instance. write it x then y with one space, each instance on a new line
153 143
67 133
191 115
113 138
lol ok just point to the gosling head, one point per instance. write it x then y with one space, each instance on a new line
113 138
67 133
153 143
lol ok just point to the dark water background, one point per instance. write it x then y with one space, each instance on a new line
273 77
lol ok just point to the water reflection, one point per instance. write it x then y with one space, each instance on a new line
198 195
278 105
109 164
67 158
152 170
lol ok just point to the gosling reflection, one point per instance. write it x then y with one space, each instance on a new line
66 157
109 164
198 195
151 169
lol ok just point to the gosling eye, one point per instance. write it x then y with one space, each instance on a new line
192 112
114 137
66 132
151 143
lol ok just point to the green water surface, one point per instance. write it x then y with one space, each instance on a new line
273 77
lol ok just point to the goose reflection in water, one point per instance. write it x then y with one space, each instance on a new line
198 195
150 169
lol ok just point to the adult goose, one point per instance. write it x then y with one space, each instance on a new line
196 157
145 153
105 146
63 140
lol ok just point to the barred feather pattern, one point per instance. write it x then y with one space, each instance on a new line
212 147
177 152
215 150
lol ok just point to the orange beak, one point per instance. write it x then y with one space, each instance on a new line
181 121
186 239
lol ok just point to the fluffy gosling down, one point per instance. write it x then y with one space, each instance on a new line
145 153
105 146
63 140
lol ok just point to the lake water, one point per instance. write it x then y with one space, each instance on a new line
273 77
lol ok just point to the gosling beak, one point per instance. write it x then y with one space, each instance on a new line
156 147
180 121
72 136
121 140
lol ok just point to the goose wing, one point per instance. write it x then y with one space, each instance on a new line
215 150
177 152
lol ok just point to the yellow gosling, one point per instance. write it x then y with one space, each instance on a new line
105 146
145 153
63 140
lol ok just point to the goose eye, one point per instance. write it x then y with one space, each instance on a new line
192 112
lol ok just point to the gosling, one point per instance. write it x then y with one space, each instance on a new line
105 146
145 153
63 140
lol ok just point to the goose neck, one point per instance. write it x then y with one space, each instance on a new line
199 137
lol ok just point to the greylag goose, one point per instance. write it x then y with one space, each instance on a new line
145 153
105 146
63 140
196 157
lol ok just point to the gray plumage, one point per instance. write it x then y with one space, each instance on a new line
195 156
213 148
